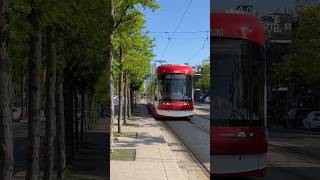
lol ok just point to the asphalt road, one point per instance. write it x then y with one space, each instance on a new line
202 106
293 154
195 135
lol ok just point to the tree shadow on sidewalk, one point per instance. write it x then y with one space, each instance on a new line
91 159
143 138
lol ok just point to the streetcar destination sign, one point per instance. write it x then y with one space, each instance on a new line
175 76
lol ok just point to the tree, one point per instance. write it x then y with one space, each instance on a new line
300 68
130 22
50 105
304 63
120 14
6 136
34 65
78 55
60 127
53 18
109 59
138 65
204 81
121 89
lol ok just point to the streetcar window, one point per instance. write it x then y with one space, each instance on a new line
237 83
175 87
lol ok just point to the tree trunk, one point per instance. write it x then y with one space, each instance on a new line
121 89
6 136
50 106
76 116
83 117
90 111
135 97
60 128
125 106
110 101
129 100
22 93
34 93
68 111
87 114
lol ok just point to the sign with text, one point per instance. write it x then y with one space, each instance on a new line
277 23
245 9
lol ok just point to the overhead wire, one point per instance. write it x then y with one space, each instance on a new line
180 32
164 37
202 48
176 28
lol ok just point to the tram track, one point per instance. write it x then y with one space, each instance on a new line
199 126
201 113
188 149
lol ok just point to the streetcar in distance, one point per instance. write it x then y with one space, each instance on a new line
238 143
172 95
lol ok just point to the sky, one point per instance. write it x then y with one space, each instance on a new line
261 6
193 48
184 47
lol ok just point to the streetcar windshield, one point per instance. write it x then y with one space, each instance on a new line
175 87
238 83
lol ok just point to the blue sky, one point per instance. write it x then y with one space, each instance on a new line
190 48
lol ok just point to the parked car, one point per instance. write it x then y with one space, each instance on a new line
312 121
207 99
295 117
16 112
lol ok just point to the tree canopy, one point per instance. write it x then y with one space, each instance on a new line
204 81
303 65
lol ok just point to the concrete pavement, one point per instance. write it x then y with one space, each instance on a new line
159 154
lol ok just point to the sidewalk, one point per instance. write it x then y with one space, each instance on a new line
154 159
90 161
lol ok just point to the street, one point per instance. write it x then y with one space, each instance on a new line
293 154
194 134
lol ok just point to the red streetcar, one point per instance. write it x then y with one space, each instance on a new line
173 95
238 90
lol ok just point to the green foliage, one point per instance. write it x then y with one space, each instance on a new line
204 81
137 46
81 29
151 87
100 89
303 65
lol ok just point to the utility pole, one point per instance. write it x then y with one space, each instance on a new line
160 61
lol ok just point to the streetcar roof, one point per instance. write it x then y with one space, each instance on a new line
238 26
174 69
